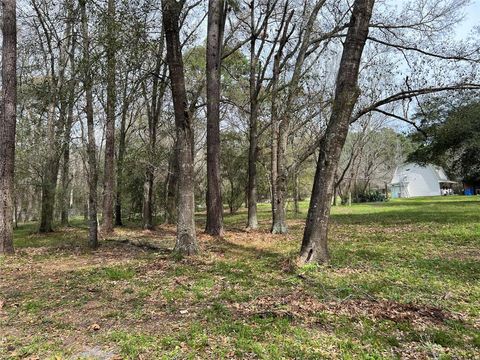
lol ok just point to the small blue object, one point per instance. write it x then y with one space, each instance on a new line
469 191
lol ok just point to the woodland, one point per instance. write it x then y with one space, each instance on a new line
209 179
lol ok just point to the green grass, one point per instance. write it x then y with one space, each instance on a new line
404 280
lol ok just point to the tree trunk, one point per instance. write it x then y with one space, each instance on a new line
148 198
65 198
216 21
155 110
91 145
296 192
56 128
171 188
109 173
7 124
252 222
314 246
121 158
49 185
186 243
279 225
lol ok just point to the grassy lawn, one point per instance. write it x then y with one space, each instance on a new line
404 282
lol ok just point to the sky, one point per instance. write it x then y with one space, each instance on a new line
472 19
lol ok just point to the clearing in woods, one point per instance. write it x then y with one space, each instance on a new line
404 281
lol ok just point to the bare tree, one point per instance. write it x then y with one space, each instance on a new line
8 123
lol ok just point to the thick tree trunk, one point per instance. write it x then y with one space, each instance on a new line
8 123
109 172
91 145
216 21
314 246
186 243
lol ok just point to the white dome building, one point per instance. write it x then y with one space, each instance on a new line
412 180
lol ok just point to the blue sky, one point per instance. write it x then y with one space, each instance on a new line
471 20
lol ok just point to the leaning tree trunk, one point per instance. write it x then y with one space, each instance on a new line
91 145
216 15
109 173
186 243
7 124
314 245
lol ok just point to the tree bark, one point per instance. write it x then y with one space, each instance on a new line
280 183
314 246
121 157
171 188
91 145
279 225
216 21
186 243
109 172
65 195
8 124
252 221
55 128
154 113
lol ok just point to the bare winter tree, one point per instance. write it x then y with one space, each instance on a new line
8 123
186 236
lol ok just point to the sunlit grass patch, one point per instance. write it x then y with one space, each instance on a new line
404 279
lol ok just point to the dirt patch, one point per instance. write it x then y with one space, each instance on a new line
305 308
390 310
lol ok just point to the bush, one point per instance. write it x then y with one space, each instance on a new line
370 196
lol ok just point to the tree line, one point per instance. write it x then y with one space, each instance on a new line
162 107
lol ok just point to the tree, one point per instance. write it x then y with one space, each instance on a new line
8 123
109 172
71 88
91 144
154 111
449 136
186 243
314 245
55 52
216 23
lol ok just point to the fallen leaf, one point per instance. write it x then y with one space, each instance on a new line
95 327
